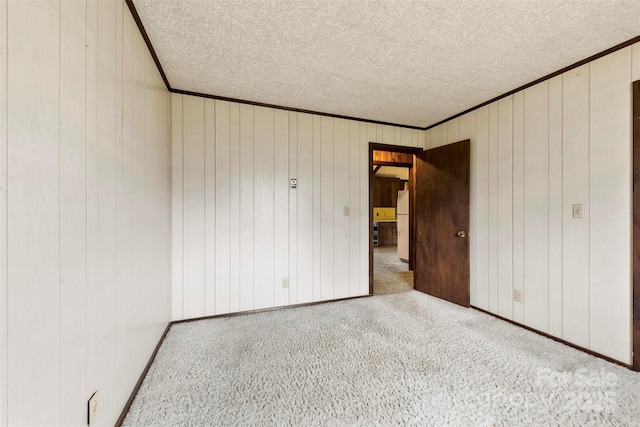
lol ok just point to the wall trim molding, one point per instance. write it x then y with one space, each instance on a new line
136 388
551 337
264 310
542 79
295 110
145 36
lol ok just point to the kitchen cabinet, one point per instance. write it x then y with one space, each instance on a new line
385 191
387 233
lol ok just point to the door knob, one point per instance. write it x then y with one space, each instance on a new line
462 234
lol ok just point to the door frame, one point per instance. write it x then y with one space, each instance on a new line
635 319
374 146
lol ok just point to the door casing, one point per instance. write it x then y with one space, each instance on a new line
373 146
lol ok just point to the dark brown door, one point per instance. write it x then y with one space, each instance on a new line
442 222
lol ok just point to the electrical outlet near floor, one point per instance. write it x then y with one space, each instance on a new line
92 409
517 295
285 283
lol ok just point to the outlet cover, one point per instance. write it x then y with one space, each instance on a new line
578 211
285 283
346 211
92 409
517 295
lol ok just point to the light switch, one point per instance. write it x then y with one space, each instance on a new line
346 211
578 211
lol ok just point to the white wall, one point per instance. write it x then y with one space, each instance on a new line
238 230
564 141
85 210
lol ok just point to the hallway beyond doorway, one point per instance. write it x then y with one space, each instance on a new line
390 275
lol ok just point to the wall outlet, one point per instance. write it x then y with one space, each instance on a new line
346 211
578 211
517 295
92 409
285 283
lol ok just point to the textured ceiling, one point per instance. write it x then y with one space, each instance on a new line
405 62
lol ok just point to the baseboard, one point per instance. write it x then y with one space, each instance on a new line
264 310
560 340
125 410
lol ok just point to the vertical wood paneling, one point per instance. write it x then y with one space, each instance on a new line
210 208
33 201
293 209
234 207
536 206
505 207
177 207
555 206
91 177
281 187
317 208
575 189
482 208
341 200
424 139
518 202
264 208
107 195
635 71
327 207
220 179
128 225
610 210
194 187
71 125
247 214
493 207
366 132
453 130
406 137
356 218
438 136
120 218
3 214
72 211
386 134
468 131
305 194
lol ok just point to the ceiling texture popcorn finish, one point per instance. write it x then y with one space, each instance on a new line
406 62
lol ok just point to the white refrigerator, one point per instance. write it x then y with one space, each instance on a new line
402 218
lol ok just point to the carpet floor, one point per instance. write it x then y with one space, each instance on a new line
398 359
390 275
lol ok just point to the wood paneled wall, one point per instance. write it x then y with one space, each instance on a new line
564 141
239 230
85 209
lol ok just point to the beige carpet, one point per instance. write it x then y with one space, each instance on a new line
390 275
405 359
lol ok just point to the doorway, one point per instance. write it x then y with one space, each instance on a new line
391 235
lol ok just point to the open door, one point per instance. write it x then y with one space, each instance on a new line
442 222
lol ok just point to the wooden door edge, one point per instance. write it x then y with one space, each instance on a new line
635 319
